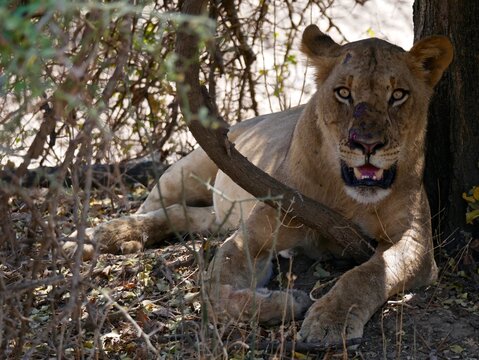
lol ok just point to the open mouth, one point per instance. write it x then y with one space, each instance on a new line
368 175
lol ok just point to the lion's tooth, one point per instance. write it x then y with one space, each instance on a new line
357 174
379 174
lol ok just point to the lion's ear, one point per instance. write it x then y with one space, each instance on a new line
314 43
432 55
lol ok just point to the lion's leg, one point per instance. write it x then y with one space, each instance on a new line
345 309
242 267
184 182
161 213
132 233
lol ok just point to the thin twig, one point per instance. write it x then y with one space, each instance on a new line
298 346
140 332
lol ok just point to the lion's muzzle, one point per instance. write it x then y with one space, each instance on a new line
366 142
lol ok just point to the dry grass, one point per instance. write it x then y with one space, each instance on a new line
150 305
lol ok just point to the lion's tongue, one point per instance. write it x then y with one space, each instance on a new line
368 171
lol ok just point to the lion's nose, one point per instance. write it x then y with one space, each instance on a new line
368 148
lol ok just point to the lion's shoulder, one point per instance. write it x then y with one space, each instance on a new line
269 125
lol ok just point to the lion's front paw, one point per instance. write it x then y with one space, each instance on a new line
329 325
70 245
116 237
291 304
269 307
302 301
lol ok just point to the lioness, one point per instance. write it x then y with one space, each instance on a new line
357 146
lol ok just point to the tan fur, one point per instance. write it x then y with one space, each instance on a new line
304 147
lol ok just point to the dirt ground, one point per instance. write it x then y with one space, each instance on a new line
150 305
437 322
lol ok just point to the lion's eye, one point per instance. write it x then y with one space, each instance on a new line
398 97
343 94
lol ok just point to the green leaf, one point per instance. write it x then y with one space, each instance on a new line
291 59
458 349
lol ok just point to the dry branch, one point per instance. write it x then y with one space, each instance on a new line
307 348
138 171
216 144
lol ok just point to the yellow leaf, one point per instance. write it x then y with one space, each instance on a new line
370 32
471 216
475 192
297 355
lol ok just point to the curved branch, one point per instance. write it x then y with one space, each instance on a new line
329 223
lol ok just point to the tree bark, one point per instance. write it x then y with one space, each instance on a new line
453 129
314 215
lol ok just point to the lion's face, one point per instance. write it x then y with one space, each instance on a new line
371 95
371 108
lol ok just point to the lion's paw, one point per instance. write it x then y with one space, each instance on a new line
269 307
296 302
107 237
330 327
276 306
70 245
302 301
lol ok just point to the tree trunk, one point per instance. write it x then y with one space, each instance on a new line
453 129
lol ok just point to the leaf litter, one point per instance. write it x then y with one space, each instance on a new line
150 305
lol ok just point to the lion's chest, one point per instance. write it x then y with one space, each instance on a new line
369 224
379 224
